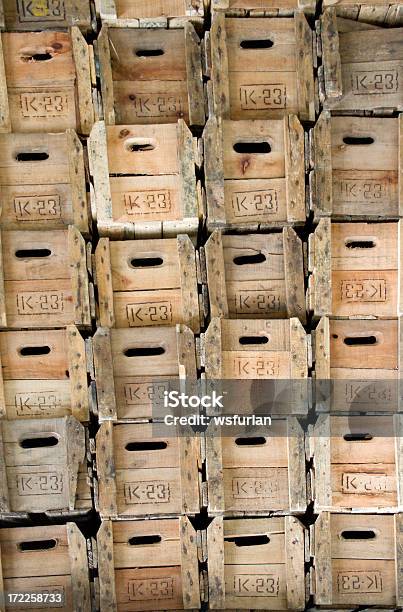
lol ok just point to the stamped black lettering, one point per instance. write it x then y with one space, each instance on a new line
262 97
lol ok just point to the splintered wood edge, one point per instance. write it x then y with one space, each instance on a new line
81 598
5 121
322 166
331 54
194 76
321 462
76 454
106 471
216 282
304 61
188 276
106 78
77 181
214 470
219 66
105 383
187 171
83 75
79 277
106 568
294 275
78 374
214 172
99 168
295 169
104 283
4 497
295 558
216 569
189 461
186 352
296 466
213 349
189 565
323 560
3 313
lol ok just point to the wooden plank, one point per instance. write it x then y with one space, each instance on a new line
400 166
106 76
215 555
186 162
104 375
321 444
3 307
295 169
79 569
4 496
107 502
399 558
331 54
194 76
189 450
190 298
214 172
107 10
104 282
5 120
77 374
99 168
216 276
293 264
189 565
79 277
77 182
219 66
215 472
322 172
296 467
322 560
106 567
304 64
320 289
83 80
294 546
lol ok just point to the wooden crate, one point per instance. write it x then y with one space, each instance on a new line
355 270
357 463
45 14
148 282
255 174
359 362
46 82
267 8
42 182
256 564
150 14
371 11
148 565
43 375
257 474
44 279
256 276
158 81
260 68
361 67
145 180
46 561
133 368
357 560
44 467
357 167
144 473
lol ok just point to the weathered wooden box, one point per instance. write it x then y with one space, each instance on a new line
43 375
267 8
370 11
362 66
46 80
256 564
148 565
133 368
45 14
44 468
160 13
255 173
143 472
145 180
42 182
148 282
44 279
355 270
357 560
357 463
50 563
151 75
357 166
256 276
257 474
260 68
357 365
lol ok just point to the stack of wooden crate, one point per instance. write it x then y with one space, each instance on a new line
46 304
